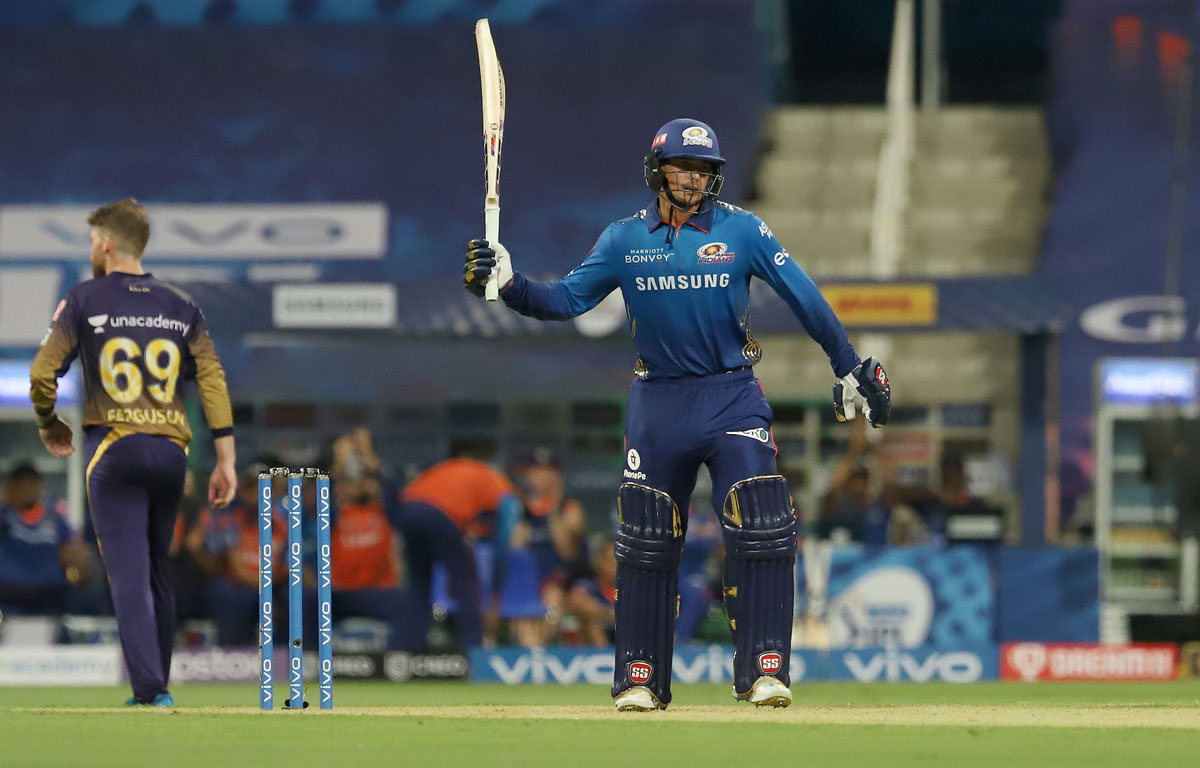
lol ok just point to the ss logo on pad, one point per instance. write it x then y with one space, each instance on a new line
770 663
640 672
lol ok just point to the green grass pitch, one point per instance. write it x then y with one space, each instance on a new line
830 725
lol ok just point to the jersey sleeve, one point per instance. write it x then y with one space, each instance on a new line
583 287
210 380
54 357
772 263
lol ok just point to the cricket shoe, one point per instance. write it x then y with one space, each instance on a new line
160 700
767 691
639 698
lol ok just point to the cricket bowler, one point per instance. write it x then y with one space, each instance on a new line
137 339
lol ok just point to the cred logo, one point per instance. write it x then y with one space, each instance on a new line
640 672
770 663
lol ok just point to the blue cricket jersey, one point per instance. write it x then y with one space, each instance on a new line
29 543
687 291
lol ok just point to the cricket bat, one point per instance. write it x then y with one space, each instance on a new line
491 79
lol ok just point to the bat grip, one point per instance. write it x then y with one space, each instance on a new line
491 231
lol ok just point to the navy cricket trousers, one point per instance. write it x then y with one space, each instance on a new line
672 426
134 485
430 537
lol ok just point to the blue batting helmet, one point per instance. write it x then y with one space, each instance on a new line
684 137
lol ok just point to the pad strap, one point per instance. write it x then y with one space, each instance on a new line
759 520
649 535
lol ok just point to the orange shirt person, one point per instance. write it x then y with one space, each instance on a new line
441 512
365 549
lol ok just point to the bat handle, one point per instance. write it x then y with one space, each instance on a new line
491 231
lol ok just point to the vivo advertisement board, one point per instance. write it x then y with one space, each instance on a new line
714 664
208 232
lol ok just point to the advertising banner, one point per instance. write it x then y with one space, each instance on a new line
907 597
60 665
968 664
1088 661
234 665
208 233
695 663
883 305
334 305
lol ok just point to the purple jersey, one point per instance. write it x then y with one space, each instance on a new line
136 338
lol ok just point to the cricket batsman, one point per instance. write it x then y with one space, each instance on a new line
684 264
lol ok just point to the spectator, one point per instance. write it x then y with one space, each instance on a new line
950 497
591 599
441 514
853 509
365 549
225 544
555 530
41 557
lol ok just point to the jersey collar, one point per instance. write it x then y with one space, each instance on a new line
702 221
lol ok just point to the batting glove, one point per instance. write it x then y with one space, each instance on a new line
482 259
867 385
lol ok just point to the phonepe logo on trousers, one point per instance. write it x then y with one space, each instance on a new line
250 232
633 461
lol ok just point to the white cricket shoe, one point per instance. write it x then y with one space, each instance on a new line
767 691
639 698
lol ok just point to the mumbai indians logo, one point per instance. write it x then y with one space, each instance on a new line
760 434
714 253
640 672
696 137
